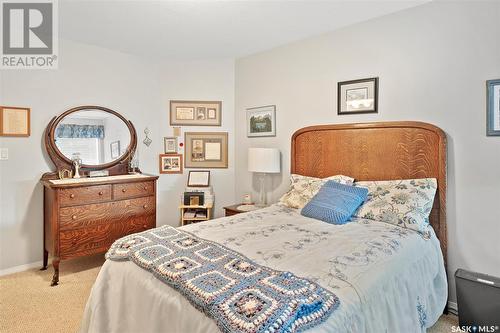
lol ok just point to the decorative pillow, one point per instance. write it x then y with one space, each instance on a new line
303 188
335 203
406 203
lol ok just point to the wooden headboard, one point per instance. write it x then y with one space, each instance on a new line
377 151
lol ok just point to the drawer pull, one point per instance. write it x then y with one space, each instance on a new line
124 190
73 217
71 195
145 206
101 193
145 226
145 188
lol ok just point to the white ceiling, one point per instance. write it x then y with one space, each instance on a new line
204 29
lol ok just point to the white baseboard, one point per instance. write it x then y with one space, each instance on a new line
20 268
453 308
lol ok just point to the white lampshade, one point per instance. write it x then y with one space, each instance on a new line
265 160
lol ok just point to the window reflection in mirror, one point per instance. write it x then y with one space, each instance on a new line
97 136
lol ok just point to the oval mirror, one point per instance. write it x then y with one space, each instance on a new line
98 136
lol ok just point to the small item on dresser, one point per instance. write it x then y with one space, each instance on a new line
99 173
247 199
134 162
194 198
77 163
65 174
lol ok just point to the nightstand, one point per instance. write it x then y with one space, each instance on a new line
192 214
233 209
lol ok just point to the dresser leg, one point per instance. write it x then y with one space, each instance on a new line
45 260
55 278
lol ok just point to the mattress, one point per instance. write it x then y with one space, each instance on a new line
388 279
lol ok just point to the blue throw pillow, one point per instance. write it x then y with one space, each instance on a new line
335 203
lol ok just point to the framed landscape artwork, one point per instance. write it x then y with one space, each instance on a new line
206 150
357 96
195 113
493 107
171 163
261 121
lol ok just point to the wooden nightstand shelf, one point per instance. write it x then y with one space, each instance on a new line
233 210
207 210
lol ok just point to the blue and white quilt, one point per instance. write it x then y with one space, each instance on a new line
386 278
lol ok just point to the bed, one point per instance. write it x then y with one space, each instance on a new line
387 278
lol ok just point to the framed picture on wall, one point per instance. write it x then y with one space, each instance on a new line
14 121
170 145
199 178
195 113
357 96
171 163
115 149
206 150
493 107
261 121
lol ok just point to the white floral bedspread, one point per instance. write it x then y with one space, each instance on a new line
388 279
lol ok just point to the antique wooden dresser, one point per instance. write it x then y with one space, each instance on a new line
84 216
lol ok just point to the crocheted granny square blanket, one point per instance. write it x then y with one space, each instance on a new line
240 295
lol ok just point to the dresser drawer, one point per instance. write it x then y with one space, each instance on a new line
131 190
84 195
86 240
90 215
137 224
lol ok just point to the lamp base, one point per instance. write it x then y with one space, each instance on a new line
262 193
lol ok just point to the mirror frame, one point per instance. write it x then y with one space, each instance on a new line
118 166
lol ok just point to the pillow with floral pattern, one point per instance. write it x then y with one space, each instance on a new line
406 203
303 189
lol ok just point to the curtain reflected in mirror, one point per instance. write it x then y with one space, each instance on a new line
97 136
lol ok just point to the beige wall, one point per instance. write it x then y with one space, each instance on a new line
432 61
137 88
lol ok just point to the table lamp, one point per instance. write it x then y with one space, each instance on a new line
263 161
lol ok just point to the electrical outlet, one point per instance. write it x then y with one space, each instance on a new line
4 153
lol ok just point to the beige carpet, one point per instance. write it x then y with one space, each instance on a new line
29 304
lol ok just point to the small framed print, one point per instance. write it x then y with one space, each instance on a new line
195 113
115 149
206 150
171 163
357 96
199 178
14 121
261 121
211 113
493 107
170 144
